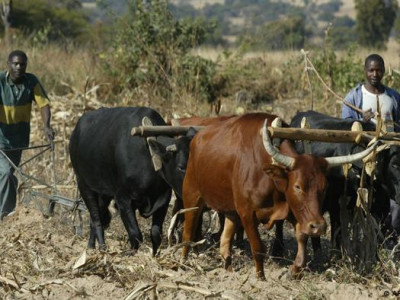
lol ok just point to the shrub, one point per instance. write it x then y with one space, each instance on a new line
283 34
32 16
151 52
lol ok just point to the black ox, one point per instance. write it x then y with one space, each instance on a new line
111 164
386 186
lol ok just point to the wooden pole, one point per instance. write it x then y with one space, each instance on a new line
322 135
306 143
162 130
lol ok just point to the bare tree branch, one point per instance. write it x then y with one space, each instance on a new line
5 15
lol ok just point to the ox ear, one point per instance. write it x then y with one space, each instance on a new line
157 147
279 175
191 132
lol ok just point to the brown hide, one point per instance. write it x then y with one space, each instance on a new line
202 121
230 171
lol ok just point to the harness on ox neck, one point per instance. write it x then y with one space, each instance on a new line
157 163
276 123
360 232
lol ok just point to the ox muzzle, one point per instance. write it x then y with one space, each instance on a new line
315 228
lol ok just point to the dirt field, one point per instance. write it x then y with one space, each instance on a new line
43 259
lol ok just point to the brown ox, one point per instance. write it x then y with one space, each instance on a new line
230 170
199 121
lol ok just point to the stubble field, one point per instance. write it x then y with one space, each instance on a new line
42 258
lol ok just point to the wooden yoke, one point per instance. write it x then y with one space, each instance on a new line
157 163
322 135
276 123
148 130
306 143
329 136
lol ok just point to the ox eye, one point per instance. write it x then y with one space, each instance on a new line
395 166
297 187
181 169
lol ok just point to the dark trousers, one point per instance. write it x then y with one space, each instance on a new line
8 182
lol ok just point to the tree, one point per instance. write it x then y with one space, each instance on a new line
151 50
5 13
286 33
69 4
375 19
59 19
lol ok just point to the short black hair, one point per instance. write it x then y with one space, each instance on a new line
17 53
374 57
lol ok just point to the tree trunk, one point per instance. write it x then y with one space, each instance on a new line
5 14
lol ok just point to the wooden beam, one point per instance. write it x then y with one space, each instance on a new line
322 135
162 130
306 143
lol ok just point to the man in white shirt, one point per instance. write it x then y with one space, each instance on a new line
364 96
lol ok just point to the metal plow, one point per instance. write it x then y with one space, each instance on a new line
31 186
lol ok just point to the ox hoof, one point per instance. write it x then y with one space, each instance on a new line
261 276
155 252
183 260
103 248
228 264
295 272
285 274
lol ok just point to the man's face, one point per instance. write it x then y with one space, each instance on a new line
17 67
374 72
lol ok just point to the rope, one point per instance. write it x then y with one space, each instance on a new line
307 60
308 78
31 147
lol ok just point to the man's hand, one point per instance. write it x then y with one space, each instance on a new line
368 115
49 132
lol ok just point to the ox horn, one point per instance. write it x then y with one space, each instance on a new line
172 148
284 160
347 159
